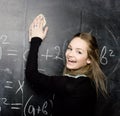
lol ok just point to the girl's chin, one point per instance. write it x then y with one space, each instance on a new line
70 67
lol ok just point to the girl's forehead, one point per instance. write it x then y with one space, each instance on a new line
78 43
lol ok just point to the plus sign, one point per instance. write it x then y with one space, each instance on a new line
47 55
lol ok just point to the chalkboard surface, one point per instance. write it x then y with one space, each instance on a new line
64 18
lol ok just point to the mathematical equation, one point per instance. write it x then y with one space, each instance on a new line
52 53
57 51
47 55
15 53
29 108
10 52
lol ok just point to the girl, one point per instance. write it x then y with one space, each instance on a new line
76 91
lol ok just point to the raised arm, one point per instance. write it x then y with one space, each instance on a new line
37 32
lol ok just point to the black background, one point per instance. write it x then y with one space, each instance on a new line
64 18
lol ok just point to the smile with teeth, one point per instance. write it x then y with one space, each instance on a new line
71 61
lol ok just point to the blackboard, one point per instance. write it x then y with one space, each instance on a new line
64 18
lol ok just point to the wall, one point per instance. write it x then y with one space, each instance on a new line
64 18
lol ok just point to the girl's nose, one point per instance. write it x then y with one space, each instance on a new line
71 53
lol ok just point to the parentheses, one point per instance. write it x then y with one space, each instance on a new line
26 51
27 104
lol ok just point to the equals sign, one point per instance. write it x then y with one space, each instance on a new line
14 106
12 53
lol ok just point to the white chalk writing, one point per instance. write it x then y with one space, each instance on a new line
35 110
29 108
103 55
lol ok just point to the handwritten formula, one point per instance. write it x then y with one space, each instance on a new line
27 106
13 88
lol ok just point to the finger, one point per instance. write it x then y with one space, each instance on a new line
42 19
35 22
41 25
36 19
42 22
45 31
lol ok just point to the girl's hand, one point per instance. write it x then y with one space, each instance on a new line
38 28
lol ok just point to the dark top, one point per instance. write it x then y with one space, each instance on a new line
73 96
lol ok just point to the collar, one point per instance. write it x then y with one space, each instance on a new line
80 75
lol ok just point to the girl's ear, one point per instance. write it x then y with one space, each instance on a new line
88 61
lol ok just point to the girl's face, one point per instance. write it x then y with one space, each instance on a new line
76 54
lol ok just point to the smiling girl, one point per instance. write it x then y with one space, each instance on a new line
76 91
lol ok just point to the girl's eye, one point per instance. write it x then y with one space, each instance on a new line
79 52
69 48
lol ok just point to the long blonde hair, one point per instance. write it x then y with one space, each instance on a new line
93 69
